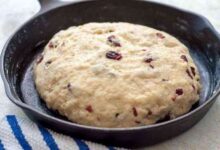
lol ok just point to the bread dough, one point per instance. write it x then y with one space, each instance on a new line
116 75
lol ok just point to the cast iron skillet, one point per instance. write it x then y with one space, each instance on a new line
23 46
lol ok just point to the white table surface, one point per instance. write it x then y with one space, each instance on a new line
204 136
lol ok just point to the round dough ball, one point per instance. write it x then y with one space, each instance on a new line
116 75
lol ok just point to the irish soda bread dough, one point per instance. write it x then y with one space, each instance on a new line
116 75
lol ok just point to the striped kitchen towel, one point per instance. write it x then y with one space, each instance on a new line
18 133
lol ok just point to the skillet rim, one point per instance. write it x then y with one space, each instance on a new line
18 101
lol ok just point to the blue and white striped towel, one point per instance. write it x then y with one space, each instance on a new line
18 133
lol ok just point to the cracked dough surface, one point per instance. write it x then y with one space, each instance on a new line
153 78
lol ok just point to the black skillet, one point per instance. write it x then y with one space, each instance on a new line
23 46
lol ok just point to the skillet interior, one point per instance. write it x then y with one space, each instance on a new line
192 30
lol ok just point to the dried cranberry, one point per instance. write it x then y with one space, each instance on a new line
193 87
149 112
115 42
183 57
116 115
179 91
160 35
188 73
39 58
89 108
48 62
138 122
69 87
113 55
148 60
135 111
152 66
193 70
50 45
173 98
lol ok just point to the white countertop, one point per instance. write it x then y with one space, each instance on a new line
204 136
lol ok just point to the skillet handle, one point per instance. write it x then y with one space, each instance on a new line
49 4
